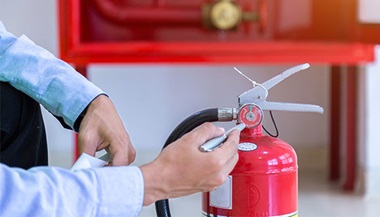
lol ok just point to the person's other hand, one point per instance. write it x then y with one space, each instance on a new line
182 169
102 128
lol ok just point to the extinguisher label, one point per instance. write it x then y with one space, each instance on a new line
295 214
222 196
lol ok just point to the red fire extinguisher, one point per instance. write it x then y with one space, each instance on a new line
264 182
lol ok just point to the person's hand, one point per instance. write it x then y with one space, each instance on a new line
182 169
102 128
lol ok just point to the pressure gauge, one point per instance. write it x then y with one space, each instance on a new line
225 15
251 115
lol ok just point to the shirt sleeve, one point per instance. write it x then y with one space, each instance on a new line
51 191
48 80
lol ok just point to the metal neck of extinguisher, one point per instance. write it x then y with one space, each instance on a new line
252 132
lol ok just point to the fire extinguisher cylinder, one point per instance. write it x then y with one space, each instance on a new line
263 183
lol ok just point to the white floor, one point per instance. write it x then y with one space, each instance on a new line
317 198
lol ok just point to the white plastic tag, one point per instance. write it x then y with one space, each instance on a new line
222 196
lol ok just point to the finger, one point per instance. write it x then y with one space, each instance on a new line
122 152
86 145
131 155
232 141
109 164
231 156
221 175
230 146
119 158
205 132
230 164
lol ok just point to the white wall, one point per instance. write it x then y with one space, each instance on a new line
369 11
371 151
373 114
152 99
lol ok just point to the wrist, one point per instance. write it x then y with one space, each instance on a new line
79 119
89 108
154 184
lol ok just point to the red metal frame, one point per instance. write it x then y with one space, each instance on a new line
72 49
351 90
335 122
206 53
327 40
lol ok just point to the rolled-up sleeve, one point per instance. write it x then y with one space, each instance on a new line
50 191
57 86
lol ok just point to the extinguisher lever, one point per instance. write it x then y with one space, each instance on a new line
287 73
282 106
259 93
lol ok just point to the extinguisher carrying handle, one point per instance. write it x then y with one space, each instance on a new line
259 93
187 125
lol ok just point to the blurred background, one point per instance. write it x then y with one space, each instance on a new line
152 98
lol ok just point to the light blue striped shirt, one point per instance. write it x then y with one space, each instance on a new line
52 191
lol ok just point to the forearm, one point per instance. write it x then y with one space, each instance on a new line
57 86
45 191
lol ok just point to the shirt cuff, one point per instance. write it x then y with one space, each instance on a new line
121 191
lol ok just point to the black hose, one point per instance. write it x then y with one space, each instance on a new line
207 115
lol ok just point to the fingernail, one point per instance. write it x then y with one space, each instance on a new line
221 129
